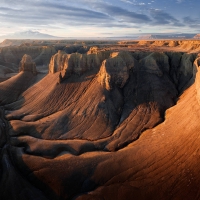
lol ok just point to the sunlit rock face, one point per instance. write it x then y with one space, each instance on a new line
197 72
76 63
27 64
107 123
114 71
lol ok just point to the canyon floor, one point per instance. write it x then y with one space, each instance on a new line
99 120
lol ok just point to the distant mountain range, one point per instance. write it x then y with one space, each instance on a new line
169 36
37 35
28 35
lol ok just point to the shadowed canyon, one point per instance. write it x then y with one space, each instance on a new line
102 120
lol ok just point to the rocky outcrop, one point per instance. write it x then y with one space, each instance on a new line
27 64
76 63
93 49
160 43
114 71
186 70
155 63
196 71
173 43
137 108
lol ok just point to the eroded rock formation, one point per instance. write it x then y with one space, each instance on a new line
76 63
119 125
114 71
27 64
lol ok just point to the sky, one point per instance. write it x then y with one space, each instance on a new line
99 18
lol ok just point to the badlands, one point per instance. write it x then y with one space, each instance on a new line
99 120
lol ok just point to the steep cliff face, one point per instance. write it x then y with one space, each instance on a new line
196 71
76 63
27 64
122 87
114 71
155 63
119 126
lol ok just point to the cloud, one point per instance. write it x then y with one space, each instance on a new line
193 23
179 1
36 14
127 1
123 15
134 2
189 20
142 4
161 17
108 14
47 13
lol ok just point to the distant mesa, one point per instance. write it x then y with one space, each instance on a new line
26 64
166 36
146 37
197 36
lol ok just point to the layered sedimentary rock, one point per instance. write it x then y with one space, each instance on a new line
120 89
196 71
27 64
114 71
119 125
76 63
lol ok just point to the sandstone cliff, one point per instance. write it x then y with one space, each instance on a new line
114 71
27 64
119 126
111 87
76 63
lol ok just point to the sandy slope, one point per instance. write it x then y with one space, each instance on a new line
100 131
162 164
